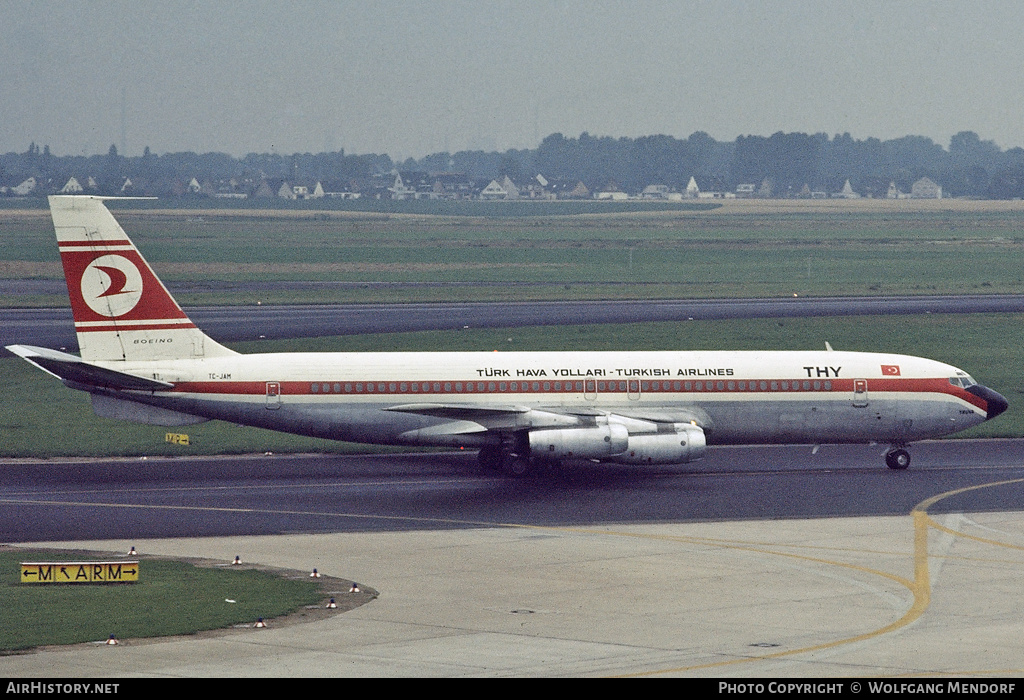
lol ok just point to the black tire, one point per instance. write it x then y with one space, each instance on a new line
518 466
897 459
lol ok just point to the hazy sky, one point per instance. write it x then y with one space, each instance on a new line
413 77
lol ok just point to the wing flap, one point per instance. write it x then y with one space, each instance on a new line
500 418
461 411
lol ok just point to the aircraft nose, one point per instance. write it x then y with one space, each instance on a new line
995 401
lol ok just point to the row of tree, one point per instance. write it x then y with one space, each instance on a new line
790 162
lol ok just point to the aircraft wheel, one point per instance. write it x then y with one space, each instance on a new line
897 459
518 466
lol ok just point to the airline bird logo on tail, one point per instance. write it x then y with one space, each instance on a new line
111 285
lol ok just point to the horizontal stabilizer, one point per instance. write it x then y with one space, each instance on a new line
71 368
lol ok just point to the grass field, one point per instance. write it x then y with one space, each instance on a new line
48 420
170 598
741 248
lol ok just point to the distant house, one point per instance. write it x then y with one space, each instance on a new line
494 191
286 191
411 185
579 191
399 190
535 188
449 185
747 189
510 187
265 190
611 191
655 192
72 187
229 189
925 188
894 192
692 190
340 190
25 188
846 193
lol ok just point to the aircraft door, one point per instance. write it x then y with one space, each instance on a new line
860 393
633 390
590 389
273 395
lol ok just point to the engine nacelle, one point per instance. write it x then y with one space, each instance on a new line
685 443
613 442
600 442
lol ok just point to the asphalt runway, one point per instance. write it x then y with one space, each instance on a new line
267 495
53 328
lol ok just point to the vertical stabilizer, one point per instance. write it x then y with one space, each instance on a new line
122 311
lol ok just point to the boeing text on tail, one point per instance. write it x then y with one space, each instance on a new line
143 360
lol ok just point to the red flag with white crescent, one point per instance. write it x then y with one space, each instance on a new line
890 370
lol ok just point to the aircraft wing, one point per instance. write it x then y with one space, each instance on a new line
484 417
520 417
691 414
71 368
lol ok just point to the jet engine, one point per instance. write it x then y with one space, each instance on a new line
684 443
673 443
600 442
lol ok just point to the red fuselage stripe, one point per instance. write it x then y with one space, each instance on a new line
453 388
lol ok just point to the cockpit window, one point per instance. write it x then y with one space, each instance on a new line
963 380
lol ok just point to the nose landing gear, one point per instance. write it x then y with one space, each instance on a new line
897 458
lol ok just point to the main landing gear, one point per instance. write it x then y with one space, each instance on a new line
897 458
507 460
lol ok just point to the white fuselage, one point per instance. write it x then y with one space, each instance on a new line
417 398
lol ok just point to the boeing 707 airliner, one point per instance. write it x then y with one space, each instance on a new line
142 359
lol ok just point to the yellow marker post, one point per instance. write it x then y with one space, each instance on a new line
80 572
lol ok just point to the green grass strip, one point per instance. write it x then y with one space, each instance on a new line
171 598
